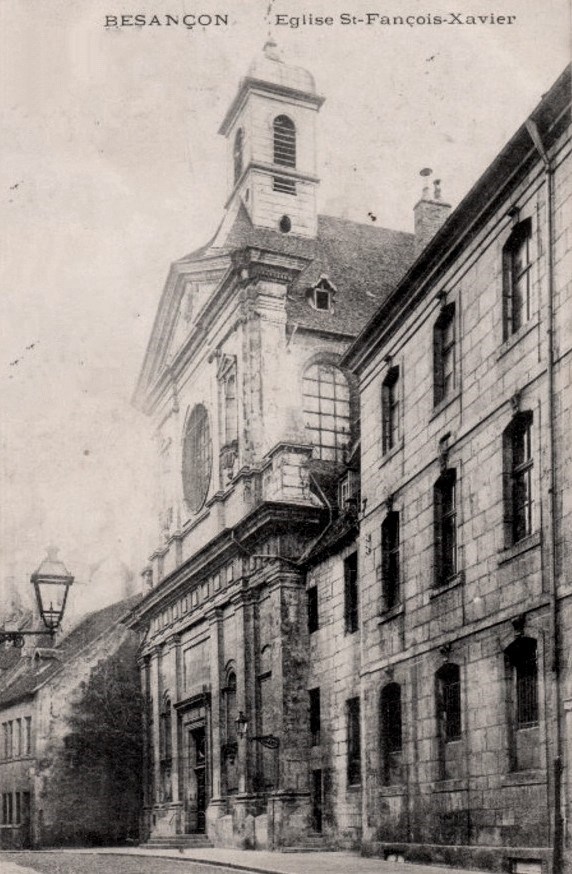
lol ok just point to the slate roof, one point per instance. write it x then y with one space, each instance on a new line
336 535
25 678
363 262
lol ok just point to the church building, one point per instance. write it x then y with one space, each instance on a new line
246 678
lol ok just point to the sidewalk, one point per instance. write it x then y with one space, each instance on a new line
283 863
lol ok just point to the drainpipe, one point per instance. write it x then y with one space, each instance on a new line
557 819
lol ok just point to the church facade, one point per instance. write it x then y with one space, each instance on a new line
257 426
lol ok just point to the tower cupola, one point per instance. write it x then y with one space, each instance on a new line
271 135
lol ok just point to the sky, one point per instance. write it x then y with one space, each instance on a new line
111 167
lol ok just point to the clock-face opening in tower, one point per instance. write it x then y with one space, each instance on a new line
285 224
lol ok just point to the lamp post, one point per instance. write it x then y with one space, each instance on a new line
51 584
270 741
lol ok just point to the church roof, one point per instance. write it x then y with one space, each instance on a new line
269 67
23 680
362 262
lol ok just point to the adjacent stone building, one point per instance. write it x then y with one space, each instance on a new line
464 545
46 799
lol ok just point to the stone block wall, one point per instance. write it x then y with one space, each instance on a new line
335 670
491 786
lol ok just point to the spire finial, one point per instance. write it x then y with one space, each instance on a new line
271 49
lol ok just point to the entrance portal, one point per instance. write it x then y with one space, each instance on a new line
196 779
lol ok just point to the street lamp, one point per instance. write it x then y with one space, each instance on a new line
269 741
241 723
51 584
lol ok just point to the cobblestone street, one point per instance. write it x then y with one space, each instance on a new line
212 861
76 863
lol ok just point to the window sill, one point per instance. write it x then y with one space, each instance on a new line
443 404
460 784
392 789
515 338
451 583
524 545
388 615
524 778
391 453
354 787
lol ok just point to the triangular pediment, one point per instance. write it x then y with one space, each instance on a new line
191 284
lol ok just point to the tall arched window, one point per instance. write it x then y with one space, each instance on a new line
284 141
522 695
165 739
327 411
197 458
229 714
229 705
237 154
391 733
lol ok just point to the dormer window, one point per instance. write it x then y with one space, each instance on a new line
321 296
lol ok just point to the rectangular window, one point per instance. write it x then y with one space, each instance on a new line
9 810
445 501
9 747
516 279
18 808
390 410
18 738
315 723
526 677
522 465
449 690
28 735
391 733
444 354
390 560
313 622
353 740
351 610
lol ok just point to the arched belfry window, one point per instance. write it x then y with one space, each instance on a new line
327 411
197 458
237 155
284 141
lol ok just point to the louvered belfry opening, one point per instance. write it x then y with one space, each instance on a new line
284 141
284 152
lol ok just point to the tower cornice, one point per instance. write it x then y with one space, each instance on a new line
249 84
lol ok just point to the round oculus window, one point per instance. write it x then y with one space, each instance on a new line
197 458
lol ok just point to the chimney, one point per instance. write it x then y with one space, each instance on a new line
430 213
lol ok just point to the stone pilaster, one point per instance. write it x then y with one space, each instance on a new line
145 686
155 741
216 672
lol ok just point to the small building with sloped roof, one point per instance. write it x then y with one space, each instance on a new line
54 790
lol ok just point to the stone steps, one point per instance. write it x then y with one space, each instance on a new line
313 843
178 842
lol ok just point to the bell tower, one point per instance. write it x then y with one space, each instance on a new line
270 129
